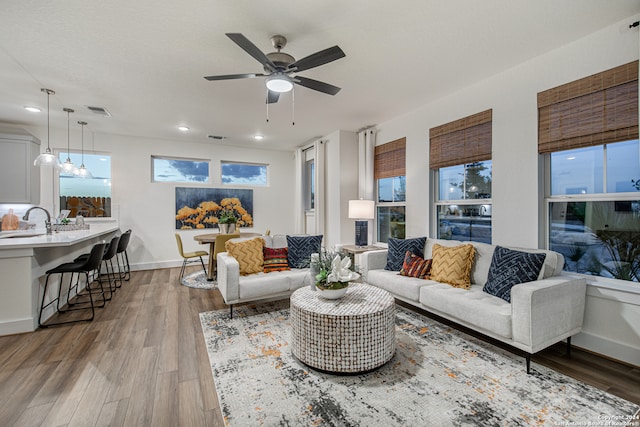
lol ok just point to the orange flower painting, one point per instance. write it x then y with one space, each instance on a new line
201 208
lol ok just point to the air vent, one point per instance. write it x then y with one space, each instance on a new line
100 111
218 137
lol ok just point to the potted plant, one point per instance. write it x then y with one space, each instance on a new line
334 274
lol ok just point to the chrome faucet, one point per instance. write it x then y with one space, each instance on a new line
47 222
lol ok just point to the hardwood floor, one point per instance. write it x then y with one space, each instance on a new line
142 362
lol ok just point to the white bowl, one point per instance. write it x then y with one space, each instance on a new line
331 293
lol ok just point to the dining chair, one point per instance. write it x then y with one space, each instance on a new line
221 239
188 257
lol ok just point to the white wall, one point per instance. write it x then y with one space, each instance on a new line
517 194
149 208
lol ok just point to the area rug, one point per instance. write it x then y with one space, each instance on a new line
198 280
437 377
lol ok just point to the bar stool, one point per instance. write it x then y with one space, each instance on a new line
85 266
121 253
107 259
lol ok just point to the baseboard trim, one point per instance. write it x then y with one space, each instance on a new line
611 349
17 326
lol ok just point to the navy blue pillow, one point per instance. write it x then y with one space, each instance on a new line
301 248
399 247
509 268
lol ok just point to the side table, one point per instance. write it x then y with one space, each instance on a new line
353 250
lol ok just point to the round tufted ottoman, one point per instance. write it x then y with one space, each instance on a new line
355 333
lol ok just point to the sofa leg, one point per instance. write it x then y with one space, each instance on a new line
231 311
528 358
569 347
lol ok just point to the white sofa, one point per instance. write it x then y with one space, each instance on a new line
260 286
540 314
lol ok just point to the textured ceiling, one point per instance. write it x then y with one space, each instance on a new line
145 60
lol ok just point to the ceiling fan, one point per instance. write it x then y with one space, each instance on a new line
280 67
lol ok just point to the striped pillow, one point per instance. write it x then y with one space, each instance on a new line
275 259
415 266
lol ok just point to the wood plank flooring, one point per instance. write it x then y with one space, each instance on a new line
142 362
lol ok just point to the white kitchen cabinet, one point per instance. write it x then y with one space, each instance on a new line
19 179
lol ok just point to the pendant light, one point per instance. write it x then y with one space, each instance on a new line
47 158
83 172
68 168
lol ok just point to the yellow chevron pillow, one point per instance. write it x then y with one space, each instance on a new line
452 265
248 253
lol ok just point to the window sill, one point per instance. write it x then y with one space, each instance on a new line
612 289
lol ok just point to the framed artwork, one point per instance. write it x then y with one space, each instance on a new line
200 208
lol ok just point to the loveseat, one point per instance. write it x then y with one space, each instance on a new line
540 312
236 288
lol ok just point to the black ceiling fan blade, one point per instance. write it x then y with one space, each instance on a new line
319 58
252 50
272 97
234 76
316 85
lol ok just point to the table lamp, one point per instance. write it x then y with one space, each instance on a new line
361 211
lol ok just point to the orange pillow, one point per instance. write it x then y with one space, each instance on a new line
248 253
452 265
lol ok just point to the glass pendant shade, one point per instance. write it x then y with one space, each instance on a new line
68 168
47 158
83 172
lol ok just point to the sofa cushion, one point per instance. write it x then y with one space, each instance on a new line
471 307
407 288
275 259
259 285
398 247
452 265
415 266
248 253
301 248
509 268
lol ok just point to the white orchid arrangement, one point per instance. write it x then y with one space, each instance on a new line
334 270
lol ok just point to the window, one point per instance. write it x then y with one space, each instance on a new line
310 184
389 173
171 169
234 173
598 229
89 197
460 158
588 134
460 214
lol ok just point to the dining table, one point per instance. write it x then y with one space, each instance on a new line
210 238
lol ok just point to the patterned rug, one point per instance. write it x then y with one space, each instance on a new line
438 377
198 280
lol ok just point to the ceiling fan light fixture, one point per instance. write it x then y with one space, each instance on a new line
279 82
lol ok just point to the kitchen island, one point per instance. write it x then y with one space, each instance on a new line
25 256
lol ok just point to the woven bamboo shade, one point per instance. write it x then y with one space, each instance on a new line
462 141
599 109
389 159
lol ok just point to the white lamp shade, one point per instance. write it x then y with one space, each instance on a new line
361 209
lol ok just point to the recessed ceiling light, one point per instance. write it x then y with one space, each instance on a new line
32 109
183 128
258 137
